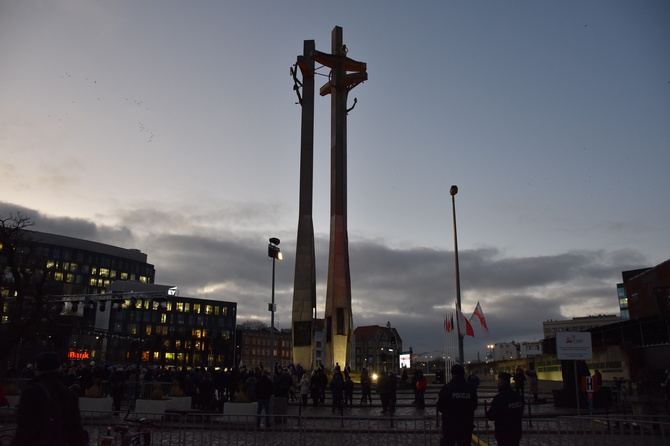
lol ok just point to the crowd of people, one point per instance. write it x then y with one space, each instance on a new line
210 388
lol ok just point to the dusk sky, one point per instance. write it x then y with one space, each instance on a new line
172 127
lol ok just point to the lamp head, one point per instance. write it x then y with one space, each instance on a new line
273 250
453 190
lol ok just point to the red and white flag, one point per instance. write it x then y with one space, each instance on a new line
464 327
479 314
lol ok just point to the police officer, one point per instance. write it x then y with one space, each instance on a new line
457 401
506 411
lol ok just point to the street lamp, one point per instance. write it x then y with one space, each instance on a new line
491 351
275 253
453 191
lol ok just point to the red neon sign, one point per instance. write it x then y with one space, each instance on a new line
78 355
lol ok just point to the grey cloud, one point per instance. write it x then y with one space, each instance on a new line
411 287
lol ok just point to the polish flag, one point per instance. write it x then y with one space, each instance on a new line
464 326
479 314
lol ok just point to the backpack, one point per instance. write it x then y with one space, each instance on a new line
52 428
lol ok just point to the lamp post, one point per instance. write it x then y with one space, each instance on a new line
453 191
275 253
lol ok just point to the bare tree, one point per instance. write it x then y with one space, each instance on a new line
253 325
24 305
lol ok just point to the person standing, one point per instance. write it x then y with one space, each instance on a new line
519 381
304 389
337 390
48 410
420 390
533 384
117 385
366 387
457 402
666 387
506 411
348 391
264 392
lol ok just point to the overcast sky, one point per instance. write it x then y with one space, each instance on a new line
172 127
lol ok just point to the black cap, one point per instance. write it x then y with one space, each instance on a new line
504 375
457 370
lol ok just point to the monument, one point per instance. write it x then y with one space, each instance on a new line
345 74
304 282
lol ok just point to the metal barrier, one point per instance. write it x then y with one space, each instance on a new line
215 429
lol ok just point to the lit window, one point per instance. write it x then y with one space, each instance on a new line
124 276
208 309
70 278
180 307
104 272
196 308
58 277
143 279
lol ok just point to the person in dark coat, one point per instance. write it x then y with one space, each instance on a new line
117 382
48 410
520 381
337 390
387 388
207 392
457 402
348 391
366 387
264 392
506 411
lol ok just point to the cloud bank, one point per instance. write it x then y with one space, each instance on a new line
413 288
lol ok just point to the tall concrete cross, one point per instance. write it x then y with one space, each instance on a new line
338 315
304 282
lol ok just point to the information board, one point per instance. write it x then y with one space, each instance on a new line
573 345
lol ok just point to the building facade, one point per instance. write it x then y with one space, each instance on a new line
377 348
503 351
578 324
77 266
648 292
252 347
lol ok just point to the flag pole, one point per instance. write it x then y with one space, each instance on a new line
453 191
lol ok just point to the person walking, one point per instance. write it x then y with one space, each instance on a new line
48 410
264 392
457 402
506 411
